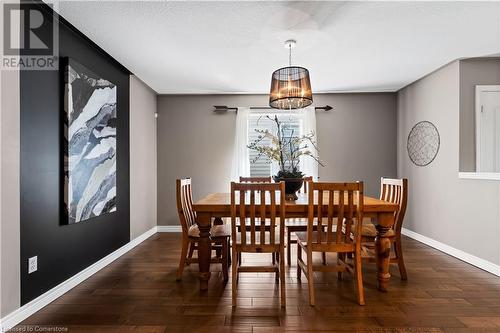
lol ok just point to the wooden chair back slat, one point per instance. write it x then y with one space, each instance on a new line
351 215
273 220
255 179
307 179
262 220
243 223
262 214
340 217
320 217
184 198
382 194
252 217
395 191
345 200
330 216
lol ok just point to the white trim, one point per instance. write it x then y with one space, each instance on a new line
479 175
41 301
479 108
477 130
169 228
459 254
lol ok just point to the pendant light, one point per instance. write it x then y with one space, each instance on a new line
290 86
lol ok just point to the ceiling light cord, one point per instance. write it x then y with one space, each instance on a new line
289 74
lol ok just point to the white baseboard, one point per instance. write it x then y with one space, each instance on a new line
479 175
459 254
169 228
41 301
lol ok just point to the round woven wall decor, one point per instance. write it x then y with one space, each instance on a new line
423 143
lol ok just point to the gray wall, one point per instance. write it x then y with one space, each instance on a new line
143 197
357 140
473 72
441 206
10 286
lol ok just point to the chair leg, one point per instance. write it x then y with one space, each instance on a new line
359 278
299 257
340 257
282 278
289 247
225 259
323 254
277 272
310 278
182 261
234 276
399 255
191 250
218 250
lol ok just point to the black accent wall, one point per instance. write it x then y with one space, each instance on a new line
64 250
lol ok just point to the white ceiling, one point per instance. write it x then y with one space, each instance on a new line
233 47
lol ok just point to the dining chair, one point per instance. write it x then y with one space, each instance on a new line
255 179
190 232
297 225
258 180
339 206
260 209
394 191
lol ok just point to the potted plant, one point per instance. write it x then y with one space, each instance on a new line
285 148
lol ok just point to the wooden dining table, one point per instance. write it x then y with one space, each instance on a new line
214 207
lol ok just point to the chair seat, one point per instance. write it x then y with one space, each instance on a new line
215 231
302 237
369 230
324 246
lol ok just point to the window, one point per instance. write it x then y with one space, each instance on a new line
258 120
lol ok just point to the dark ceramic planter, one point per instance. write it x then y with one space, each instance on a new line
292 185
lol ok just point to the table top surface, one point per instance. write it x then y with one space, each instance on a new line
221 202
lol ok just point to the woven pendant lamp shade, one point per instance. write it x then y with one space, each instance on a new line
290 88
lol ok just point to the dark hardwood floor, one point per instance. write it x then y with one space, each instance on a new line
138 293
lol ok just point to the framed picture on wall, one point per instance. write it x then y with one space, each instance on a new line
89 143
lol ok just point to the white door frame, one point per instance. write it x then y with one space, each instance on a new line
480 89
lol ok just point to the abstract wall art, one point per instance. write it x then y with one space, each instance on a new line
89 143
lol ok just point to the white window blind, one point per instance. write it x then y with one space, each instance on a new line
257 120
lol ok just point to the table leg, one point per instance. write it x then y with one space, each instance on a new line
204 248
383 249
218 250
